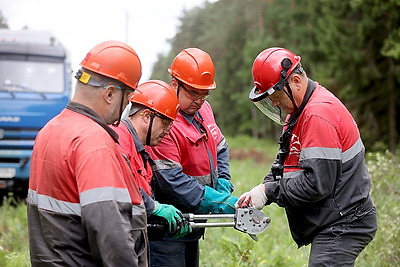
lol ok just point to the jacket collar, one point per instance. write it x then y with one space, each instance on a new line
84 110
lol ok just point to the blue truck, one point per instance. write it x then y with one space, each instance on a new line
35 85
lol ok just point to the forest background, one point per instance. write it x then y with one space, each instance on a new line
351 47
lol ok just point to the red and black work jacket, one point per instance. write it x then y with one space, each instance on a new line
325 176
194 154
139 160
84 207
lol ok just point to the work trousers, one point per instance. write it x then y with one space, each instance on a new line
174 253
340 244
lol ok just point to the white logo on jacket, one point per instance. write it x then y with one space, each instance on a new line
213 130
295 146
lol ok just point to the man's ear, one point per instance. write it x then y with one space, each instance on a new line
145 113
296 79
109 93
174 83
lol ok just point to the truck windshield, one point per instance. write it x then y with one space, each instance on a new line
29 76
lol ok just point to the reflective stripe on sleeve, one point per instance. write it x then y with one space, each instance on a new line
353 151
292 174
138 209
222 144
52 204
104 194
166 164
204 179
321 153
332 153
87 197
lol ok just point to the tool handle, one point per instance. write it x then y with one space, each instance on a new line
216 224
190 216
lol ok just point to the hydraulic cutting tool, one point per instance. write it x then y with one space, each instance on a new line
247 220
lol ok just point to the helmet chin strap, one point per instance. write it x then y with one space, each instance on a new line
149 130
120 110
289 93
284 140
286 64
179 87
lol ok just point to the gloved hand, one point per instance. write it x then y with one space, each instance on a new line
256 198
224 185
184 229
170 213
217 202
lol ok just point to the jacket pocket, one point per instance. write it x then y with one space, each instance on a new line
139 230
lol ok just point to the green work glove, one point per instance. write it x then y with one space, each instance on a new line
170 213
217 202
184 229
224 185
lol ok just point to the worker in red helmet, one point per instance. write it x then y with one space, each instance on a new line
319 176
84 206
154 106
193 159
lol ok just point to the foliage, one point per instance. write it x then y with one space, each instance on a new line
351 47
384 169
13 234
357 48
3 21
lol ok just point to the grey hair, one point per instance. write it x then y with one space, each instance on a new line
135 108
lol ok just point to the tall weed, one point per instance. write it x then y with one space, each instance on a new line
384 250
13 234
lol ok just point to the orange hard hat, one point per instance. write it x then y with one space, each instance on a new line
116 60
194 67
158 96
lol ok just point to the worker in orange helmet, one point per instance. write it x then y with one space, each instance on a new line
154 106
193 159
319 176
84 206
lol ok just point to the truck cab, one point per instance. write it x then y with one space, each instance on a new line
35 85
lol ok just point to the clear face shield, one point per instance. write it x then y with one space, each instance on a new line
264 104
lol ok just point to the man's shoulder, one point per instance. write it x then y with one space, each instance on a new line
121 128
206 107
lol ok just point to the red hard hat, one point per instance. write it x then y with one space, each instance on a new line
158 96
116 60
270 67
194 67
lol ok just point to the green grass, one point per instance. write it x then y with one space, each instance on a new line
250 161
384 250
14 249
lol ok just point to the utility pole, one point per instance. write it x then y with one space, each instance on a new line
127 27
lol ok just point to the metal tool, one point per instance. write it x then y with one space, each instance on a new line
247 220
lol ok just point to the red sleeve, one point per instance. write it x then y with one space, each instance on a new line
105 165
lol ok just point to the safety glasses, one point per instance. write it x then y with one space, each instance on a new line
166 122
195 95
